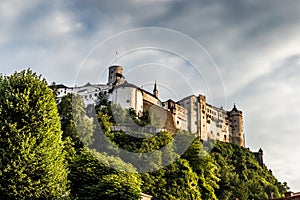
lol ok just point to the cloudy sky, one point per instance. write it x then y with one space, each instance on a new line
246 51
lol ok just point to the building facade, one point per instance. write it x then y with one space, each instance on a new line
210 122
191 113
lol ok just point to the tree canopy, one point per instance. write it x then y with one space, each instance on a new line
32 161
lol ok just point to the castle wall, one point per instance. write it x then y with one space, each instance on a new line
150 98
216 123
203 118
165 116
180 118
192 107
128 97
88 92
211 122
179 114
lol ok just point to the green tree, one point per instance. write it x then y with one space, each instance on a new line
32 161
175 181
74 121
98 176
205 167
241 176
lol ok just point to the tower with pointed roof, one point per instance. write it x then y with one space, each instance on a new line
155 91
236 128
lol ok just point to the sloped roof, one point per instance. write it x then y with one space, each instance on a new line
58 86
126 84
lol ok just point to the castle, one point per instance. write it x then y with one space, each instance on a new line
191 113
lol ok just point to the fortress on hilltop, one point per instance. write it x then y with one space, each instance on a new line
191 113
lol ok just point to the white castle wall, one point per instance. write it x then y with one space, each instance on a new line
88 92
128 97
180 118
192 107
211 122
216 123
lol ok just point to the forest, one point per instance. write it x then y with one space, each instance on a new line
53 149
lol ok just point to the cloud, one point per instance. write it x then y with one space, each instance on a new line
271 112
255 45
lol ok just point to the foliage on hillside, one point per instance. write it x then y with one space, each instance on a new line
229 171
38 156
92 176
241 176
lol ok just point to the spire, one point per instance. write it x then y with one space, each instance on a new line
234 108
155 91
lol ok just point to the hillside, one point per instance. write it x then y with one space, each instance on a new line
60 153
228 171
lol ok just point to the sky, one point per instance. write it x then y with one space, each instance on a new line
240 51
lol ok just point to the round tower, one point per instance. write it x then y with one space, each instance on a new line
115 74
236 129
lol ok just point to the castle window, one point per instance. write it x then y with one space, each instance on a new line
218 134
128 101
177 122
